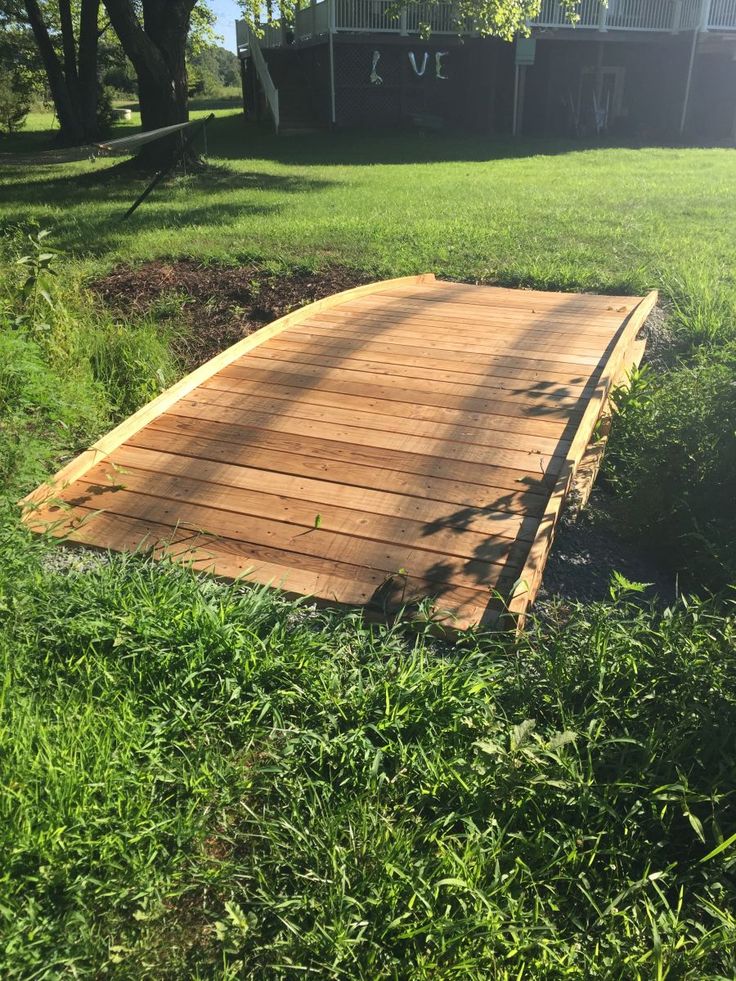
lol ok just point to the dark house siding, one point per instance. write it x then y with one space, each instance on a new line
477 93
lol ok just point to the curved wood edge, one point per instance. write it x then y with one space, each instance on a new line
104 446
531 576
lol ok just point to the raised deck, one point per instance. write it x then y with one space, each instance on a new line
404 439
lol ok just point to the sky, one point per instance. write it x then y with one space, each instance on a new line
227 12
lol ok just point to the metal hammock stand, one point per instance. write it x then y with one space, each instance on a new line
199 125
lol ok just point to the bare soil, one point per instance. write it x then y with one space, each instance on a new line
211 306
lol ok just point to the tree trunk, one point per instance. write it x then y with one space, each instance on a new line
72 133
69 48
157 51
87 65
74 86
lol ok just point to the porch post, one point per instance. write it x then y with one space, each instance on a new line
676 17
603 16
331 23
519 89
688 81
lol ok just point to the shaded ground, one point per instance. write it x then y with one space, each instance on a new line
589 547
212 306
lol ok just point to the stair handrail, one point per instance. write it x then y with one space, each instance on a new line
269 89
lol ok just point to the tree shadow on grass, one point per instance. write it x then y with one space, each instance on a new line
234 138
101 199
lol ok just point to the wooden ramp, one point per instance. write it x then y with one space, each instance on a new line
405 439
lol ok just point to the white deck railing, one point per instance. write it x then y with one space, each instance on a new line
691 15
620 15
641 15
722 15
312 20
378 16
440 17
365 15
553 14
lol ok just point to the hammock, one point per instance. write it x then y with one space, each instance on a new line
126 144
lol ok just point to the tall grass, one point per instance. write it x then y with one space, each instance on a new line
204 780
672 462
67 370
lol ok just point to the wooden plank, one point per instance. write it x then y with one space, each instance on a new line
467 368
477 328
587 303
319 372
231 560
537 352
562 318
265 464
520 298
491 435
485 319
389 407
448 535
358 436
323 494
99 450
553 405
487 476
591 460
384 348
588 306
391 354
380 556
531 574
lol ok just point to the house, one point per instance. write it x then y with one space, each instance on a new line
642 69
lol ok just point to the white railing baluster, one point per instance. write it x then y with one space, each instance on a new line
372 16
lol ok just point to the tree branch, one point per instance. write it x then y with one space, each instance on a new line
140 49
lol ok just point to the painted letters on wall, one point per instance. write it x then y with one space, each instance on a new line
419 70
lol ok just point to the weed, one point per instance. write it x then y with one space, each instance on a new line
672 459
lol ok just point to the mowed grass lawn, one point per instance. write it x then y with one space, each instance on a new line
534 213
207 781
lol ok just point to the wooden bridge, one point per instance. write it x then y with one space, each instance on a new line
401 440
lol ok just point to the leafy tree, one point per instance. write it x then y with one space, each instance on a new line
211 68
66 34
15 99
72 77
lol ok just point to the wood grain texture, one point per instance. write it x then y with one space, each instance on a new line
404 440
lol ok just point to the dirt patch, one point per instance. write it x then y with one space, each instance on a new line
211 307
589 547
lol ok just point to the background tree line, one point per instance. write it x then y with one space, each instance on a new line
79 73
67 54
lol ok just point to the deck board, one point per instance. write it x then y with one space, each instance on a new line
402 440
